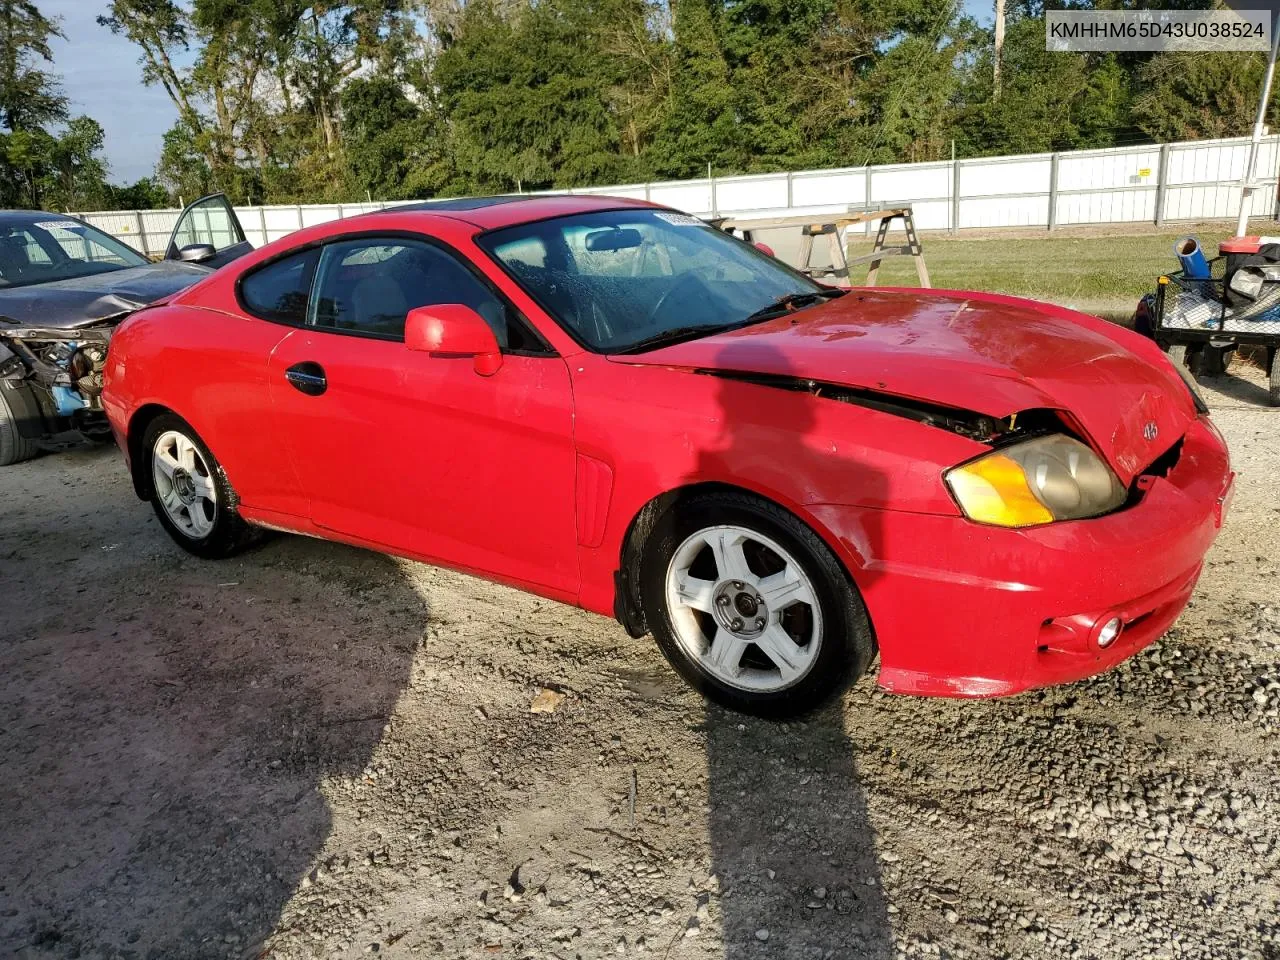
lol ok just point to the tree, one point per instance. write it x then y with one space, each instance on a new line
386 137
76 178
183 169
527 97
30 98
28 154
143 194
63 168
698 124
217 95
1188 96
909 95
315 100
260 101
1050 101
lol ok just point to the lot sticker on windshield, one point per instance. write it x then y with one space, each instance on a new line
58 225
680 219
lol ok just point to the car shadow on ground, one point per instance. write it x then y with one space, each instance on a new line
1243 381
165 752
791 842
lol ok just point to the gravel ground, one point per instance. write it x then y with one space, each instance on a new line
312 751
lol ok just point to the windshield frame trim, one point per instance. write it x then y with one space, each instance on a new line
479 238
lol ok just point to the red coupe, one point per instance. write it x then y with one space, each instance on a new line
616 405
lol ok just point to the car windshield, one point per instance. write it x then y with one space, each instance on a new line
633 279
47 248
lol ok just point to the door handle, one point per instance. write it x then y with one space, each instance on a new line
308 377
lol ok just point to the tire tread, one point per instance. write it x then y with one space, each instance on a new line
14 448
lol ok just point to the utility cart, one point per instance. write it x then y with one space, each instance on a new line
1200 321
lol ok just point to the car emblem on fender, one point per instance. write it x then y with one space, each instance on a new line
1150 431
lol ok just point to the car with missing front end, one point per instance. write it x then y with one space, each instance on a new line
615 405
64 286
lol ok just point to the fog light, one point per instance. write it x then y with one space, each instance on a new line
1110 630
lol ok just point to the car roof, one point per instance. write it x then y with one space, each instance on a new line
490 213
30 216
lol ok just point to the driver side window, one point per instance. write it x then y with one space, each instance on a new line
367 286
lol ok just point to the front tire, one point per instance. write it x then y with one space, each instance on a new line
751 607
14 447
190 492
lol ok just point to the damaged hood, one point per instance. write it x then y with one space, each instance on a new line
983 353
68 304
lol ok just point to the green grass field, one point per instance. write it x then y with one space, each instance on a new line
1104 275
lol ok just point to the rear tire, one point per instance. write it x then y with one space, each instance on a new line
190 491
1215 360
14 448
751 607
1273 375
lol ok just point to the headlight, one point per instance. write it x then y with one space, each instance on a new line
1036 481
1189 379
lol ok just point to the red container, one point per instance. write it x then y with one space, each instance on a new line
1236 249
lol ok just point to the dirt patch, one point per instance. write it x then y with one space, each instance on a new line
312 751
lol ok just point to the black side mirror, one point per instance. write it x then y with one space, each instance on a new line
197 252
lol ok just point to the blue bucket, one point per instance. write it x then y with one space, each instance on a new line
1194 265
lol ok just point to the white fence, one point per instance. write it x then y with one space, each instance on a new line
1195 180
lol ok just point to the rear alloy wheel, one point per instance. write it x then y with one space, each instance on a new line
190 492
751 606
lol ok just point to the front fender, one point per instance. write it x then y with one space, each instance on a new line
656 430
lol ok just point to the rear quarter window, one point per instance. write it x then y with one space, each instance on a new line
279 291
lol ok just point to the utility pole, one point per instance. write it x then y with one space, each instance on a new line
1248 185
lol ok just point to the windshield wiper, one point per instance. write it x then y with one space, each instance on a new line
674 335
784 304
790 302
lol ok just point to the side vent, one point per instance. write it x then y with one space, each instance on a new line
594 487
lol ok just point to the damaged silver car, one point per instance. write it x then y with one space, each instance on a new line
64 286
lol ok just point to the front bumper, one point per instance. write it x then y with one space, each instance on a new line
966 610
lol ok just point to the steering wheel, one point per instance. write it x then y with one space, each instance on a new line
575 300
688 279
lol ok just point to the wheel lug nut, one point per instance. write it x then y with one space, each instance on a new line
722 600
737 584
759 623
735 624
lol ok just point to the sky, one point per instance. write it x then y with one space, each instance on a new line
101 75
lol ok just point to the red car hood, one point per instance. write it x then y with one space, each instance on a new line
982 352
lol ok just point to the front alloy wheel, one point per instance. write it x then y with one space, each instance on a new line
751 606
743 608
